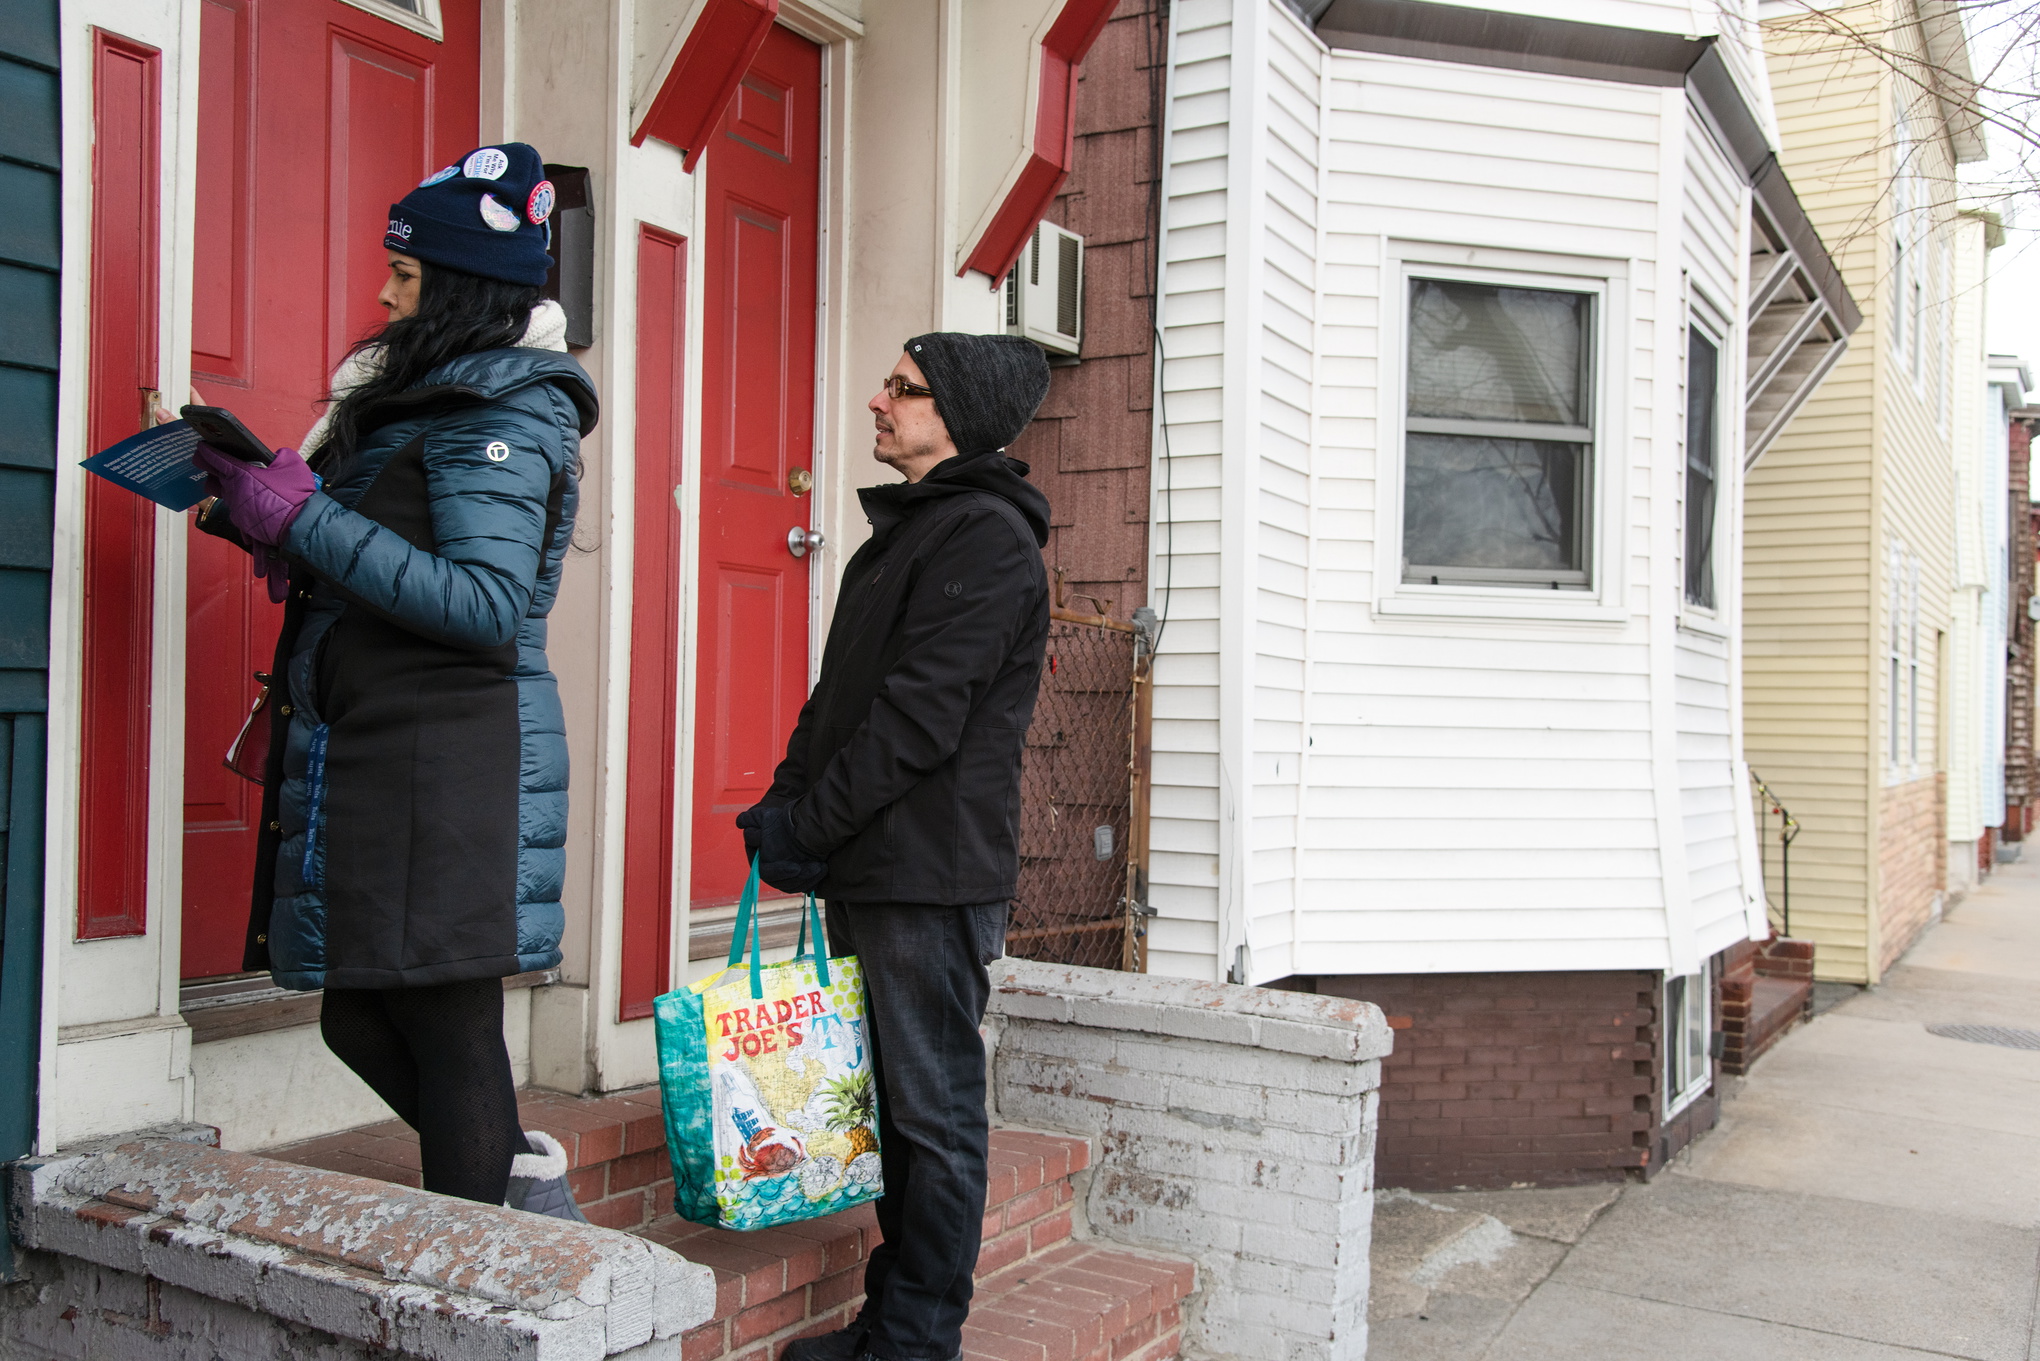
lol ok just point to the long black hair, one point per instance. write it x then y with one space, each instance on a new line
458 313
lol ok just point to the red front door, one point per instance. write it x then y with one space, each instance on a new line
314 117
757 432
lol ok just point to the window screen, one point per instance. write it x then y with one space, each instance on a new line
1498 449
1703 378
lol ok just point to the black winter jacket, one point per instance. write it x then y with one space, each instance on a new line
904 770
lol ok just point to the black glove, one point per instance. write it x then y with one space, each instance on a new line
783 862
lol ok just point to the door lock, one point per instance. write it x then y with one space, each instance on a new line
800 481
800 542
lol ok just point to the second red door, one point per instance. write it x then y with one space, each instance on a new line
757 441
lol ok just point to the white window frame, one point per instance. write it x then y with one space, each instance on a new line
1912 665
1944 292
1672 1031
1901 663
1606 281
1710 321
426 20
1909 265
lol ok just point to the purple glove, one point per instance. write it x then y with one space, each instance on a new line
260 501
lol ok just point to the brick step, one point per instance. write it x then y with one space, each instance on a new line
616 1152
1042 1295
622 1178
1081 1302
1756 1011
774 1285
1775 1003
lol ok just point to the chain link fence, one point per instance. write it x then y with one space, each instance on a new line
1078 866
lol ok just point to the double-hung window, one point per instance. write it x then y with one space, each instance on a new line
1498 429
1703 383
1902 660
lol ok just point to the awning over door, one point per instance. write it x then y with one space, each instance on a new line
1017 121
1800 314
691 59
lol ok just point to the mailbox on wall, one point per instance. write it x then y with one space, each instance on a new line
572 280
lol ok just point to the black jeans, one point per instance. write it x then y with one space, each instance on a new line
924 972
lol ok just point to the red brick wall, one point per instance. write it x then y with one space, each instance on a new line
1088 447
1498 1079
1911 854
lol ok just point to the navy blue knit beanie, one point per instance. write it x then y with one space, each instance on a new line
485 214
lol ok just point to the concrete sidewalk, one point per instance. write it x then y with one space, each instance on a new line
1872 1193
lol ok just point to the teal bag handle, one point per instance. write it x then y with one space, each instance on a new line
800 951
747 925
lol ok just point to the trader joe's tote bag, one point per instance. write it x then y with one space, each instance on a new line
771 1104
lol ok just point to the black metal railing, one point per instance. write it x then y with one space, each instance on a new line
1769 806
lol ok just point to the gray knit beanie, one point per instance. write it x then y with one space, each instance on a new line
986 387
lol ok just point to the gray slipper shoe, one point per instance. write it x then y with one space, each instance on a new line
538 1179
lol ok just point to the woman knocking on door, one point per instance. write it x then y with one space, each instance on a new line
414 810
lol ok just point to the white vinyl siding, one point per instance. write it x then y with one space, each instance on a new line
1183 834
1713 790
1348 789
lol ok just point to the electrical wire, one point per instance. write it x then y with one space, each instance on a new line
1157 89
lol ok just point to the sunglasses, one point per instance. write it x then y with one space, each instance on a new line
897 387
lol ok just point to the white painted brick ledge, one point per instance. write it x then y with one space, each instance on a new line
1261 1018
257 1249
1233 1124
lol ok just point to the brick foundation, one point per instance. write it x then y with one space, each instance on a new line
1911 862
1497 1080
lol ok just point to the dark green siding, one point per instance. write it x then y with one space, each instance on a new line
30 186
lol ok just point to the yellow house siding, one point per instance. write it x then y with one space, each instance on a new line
1864 465
1809 512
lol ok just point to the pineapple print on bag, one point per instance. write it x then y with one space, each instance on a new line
853 1111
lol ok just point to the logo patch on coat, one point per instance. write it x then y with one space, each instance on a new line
953 589
497 451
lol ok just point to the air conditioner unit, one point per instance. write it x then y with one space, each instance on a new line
1045 290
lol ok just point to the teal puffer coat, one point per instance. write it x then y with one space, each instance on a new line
416 808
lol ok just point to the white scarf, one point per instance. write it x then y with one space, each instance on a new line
547 330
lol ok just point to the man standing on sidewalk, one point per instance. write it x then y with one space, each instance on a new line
899 802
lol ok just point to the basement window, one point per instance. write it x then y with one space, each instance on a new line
1687 1026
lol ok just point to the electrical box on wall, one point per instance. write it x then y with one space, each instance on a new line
572 281
1045 290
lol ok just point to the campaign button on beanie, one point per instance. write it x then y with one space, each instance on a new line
986 387
485 214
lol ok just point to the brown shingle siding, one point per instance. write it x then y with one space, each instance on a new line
1089 448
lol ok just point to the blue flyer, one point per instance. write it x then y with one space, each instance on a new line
156 464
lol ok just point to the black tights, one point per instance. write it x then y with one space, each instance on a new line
436 1055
